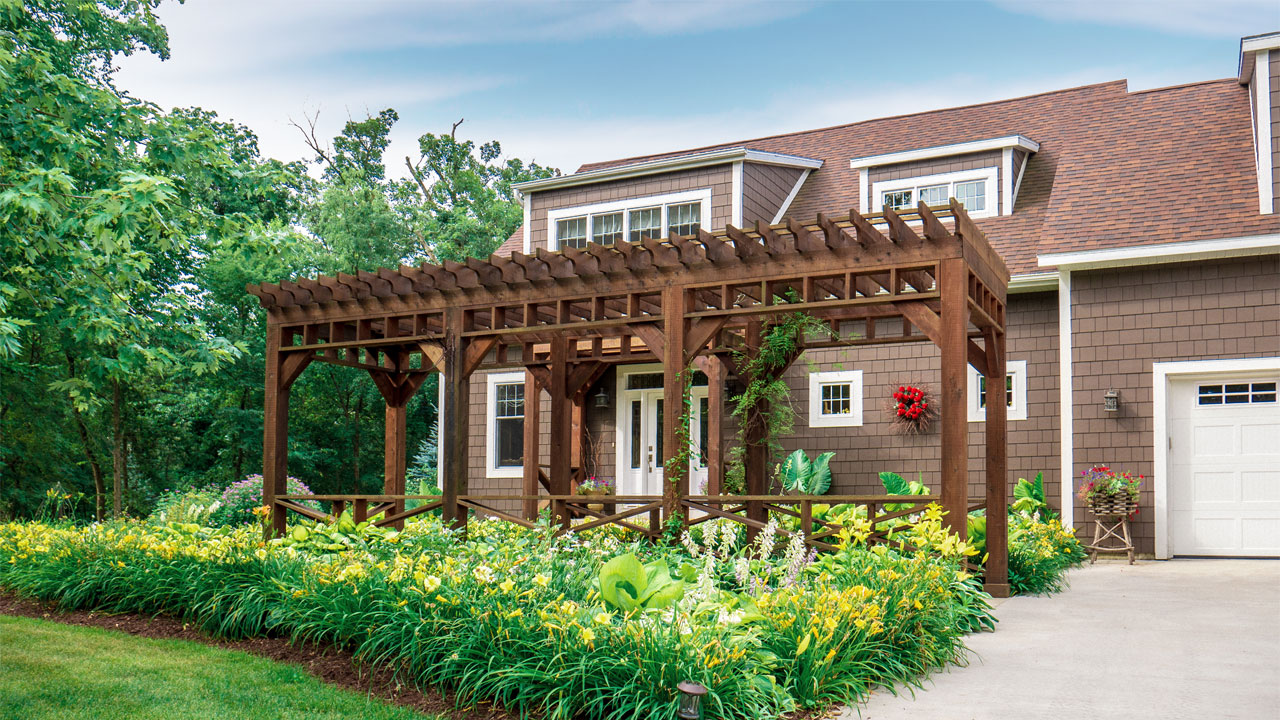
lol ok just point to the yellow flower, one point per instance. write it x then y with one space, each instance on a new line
431 583
507 585
588 637
804 644
541 580
603 618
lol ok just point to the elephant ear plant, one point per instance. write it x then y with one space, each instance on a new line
628 585
803 476
1028 497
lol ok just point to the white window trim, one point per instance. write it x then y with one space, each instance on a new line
940 151
987 174
492 380
702 196
1018 410
817 380
1163 374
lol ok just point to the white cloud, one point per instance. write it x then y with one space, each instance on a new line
1213 18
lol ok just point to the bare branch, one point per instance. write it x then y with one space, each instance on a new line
453 133
309 137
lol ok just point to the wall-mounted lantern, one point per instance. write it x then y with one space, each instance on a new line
690 701
602 399
1111 401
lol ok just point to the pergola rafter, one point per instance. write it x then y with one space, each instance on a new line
928 275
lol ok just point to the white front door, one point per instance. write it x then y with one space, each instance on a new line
1224 463
640 450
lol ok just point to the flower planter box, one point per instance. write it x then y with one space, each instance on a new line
1113 505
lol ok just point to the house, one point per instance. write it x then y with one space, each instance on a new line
1141 232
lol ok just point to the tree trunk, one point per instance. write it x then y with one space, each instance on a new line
117 451
355 455
238 464
99 491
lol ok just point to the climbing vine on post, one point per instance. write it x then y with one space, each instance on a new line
671 466
766 398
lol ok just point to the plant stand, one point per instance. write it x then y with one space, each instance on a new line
1111 522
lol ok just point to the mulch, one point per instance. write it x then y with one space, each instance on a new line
331 665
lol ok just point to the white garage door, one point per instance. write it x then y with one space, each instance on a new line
1225 467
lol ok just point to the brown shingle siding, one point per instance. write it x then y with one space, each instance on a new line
1188 311
764 189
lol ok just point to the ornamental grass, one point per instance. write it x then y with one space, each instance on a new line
515 616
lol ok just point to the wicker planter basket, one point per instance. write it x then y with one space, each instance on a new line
1113 504
598 507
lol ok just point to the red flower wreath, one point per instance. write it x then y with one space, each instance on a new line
912 409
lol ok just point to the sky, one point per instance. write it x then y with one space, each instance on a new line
565 83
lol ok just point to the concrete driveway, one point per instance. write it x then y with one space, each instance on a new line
1174 639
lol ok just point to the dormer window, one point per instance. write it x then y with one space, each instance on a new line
975 189
608 223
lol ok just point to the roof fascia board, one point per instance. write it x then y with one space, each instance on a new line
999 143
1033 282
1164 253
1251 45
672 164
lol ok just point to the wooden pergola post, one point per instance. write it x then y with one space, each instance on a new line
997 466
675 442
457 398
955 408
756 457
532 453
561 427
281 370
715 423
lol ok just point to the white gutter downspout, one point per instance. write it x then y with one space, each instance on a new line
1262 100
528 224
1066 441
736 214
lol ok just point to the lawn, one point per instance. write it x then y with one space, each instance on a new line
50 670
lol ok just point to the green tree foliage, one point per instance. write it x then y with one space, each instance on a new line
131 358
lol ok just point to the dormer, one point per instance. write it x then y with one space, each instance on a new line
660 197
1260 72
984 175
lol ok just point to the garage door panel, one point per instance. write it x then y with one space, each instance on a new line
1260 487
1208 488
1214 534
1213 440
1260 534
1260 439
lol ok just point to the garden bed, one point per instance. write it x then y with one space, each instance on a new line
594 626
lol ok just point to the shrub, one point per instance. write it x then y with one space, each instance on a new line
190 506
243 496
1040 553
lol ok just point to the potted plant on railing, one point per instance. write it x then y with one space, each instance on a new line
595 487
1107 492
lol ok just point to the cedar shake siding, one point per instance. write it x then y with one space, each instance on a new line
937 166
718 178
1123 320
764 189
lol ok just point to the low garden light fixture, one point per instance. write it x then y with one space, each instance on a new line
690 701
602 399
1111 401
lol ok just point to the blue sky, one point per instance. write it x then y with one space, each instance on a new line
565 83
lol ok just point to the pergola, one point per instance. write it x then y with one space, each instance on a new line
926 275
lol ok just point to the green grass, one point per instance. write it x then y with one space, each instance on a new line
50 670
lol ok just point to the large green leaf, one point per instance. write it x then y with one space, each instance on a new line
623 581
820 475
894 484
795 471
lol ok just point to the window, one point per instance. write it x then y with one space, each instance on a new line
1238 393
1015 392
835 399
572 232
646 222
606 229
657 216
684 219
504 451
975 189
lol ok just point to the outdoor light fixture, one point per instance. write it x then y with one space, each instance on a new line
690 701
602 399
1111 401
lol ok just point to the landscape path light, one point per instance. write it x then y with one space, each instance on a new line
690 701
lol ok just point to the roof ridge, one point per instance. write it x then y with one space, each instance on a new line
742 143
1180 86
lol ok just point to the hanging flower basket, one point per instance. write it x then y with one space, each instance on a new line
912 410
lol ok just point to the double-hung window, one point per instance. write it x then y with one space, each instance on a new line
658 216
835 399
1015 392
504 451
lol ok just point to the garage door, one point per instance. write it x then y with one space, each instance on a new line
1224 455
